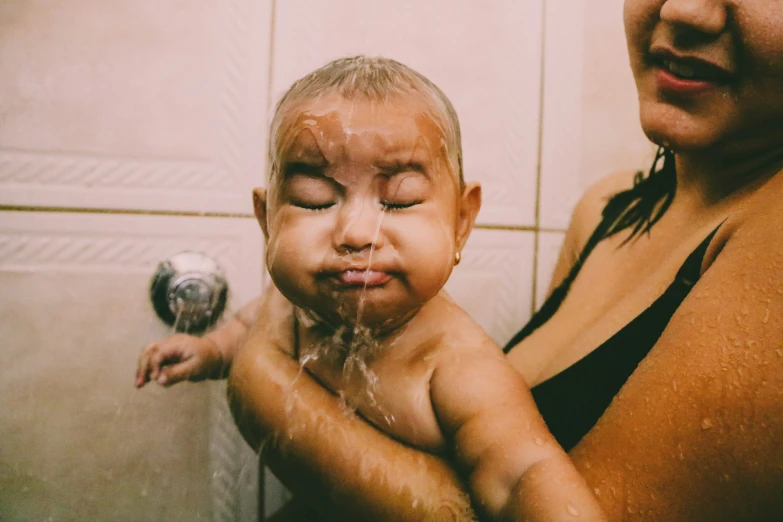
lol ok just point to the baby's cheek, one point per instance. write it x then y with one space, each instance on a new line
430 259
288 276
289 251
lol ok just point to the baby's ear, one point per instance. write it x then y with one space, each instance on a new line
259 207
470 204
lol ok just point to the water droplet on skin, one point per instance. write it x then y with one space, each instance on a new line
572 510
539 441
765 320
706 423
674 385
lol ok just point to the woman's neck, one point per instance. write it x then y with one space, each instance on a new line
714 178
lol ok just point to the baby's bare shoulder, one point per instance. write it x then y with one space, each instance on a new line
456 328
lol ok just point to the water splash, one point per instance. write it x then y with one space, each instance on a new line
363 296
364 344
179 315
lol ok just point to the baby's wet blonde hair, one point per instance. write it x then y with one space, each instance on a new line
373 79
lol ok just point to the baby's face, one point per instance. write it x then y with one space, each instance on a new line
362 213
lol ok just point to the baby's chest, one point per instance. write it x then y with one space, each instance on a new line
393 397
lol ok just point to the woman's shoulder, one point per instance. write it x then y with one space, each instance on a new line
766 202
585 218
760 215
590 206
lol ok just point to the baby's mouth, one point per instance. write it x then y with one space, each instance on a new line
368 278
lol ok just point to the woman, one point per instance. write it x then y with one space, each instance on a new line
681 272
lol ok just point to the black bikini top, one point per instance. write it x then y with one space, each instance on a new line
572 401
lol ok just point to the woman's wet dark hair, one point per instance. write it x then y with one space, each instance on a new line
643 205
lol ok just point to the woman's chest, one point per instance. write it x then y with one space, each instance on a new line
612 290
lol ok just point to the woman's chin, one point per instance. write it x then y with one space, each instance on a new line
678 130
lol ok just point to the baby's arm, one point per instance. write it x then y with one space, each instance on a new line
517 471
188 357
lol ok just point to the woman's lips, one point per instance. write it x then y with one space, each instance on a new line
363 278
670 83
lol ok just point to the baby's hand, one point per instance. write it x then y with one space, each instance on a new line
178 358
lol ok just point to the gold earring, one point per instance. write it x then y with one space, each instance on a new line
457 258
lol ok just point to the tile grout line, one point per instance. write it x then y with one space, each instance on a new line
537 210
261 491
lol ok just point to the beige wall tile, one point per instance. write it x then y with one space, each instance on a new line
137 105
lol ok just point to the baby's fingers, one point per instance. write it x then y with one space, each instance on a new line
182 371
143 369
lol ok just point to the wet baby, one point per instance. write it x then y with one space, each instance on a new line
365 216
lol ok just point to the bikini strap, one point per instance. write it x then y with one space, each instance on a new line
690 271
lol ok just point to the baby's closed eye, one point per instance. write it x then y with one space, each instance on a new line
404 190
311 192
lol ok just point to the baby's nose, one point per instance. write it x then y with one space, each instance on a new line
358 226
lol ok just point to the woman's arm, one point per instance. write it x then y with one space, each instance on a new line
695 432
340 465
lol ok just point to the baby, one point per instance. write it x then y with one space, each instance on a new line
365 216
